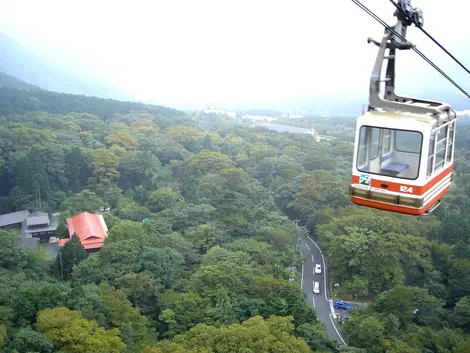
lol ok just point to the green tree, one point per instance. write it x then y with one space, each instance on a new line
138 168
3 334
459 279
365 331
462 313
205 236
88 271
85 200
266 286
402 347
202 163
14 256
32 296
398 302
142 290
316 337
254 335
122 139
318 188
162 198
104 164
70 332
182 311
171 347
165 263
70 255
28 340
463 347
120 314
76 170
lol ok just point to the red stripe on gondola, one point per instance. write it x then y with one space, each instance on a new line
399 209
376 182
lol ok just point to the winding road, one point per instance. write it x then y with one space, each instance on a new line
320 302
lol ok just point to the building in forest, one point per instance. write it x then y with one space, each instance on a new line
90 228
39 225
13 220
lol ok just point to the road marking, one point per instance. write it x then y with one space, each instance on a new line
334 326
313 260
308 247
332 308
302 278
324 268
314 244
313 300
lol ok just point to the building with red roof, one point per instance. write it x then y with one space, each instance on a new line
90 228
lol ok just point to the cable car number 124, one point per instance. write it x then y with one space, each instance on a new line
404 188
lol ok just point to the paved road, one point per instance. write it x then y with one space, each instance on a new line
320 302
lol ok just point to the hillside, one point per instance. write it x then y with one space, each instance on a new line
18 97
12 82
19 62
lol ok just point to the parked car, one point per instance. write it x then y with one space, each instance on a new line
316 287
340 304
317 268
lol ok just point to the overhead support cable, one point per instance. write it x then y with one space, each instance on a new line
429 36
417 51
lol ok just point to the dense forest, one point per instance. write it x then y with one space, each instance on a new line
208 271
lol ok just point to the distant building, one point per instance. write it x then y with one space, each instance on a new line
296 116
13 220
259 118
220 112
38 225
285 128
90 228
35 227
463 112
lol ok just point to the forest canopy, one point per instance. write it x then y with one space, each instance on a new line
208 269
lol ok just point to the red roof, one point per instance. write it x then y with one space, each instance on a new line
90 228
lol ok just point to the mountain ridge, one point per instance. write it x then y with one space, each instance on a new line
19 97
25 65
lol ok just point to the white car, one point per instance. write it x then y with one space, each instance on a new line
317 268
316 287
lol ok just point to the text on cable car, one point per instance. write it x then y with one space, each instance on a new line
404 188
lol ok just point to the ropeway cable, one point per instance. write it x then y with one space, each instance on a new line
378 19
430 37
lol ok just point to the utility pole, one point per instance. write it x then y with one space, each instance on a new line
40 205
296 222
298 233
61 266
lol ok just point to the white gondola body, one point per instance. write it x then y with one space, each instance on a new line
402 162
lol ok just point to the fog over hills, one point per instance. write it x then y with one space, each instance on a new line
28 66
35 69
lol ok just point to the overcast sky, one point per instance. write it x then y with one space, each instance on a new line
187 51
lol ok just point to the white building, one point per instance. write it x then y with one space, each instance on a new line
296 116
259 118
220 112
463 112
286 128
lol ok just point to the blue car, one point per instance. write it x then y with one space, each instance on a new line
339 304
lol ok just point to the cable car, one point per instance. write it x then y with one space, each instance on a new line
404 147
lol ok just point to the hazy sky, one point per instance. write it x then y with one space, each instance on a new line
186 51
